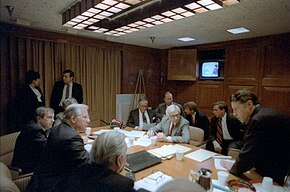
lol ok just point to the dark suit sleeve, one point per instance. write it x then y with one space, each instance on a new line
56 95
131 122
77 92
247 157
204 125
158 112
152 116
76 152
235 128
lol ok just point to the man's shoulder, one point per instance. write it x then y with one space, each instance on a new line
62 131
183 121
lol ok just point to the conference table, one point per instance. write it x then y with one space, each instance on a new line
171 167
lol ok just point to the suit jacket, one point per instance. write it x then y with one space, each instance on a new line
28 147
27 103
180 132
201 121
133 119
161 110
234 126
56 95
93 177
266 145
63 151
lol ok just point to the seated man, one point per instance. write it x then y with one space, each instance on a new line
138 117
196 118
224 129
65 104
168 100
108 159
29 143
266 142
174 127
63 151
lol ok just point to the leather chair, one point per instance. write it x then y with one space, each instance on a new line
7 145
196 136
9 184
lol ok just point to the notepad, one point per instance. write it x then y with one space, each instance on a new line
167 150
200 155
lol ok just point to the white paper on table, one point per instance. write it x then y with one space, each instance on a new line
102 131
152 184
181 148
218 166
167 150
136 134
217 187
88 147
143 141
200 155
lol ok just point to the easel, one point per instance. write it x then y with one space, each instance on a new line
140 90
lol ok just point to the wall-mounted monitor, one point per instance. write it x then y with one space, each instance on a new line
212 69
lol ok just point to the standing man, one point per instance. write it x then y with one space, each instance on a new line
142 115
196 118
63 151
168 100
266 142
29 143
224 129
173 127
64 89
28 98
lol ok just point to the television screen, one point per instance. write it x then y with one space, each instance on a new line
210 69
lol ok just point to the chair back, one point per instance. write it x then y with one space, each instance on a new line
7 145
6 183
196 136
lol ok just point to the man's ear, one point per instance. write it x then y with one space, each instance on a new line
38 119
119 163
73 119
250 103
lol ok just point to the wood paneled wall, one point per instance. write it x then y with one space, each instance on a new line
259 64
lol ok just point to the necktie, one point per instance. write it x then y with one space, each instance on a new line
170 130
67 91
144 118
219 133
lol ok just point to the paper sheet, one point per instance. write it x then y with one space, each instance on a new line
152 182
143 141
217 163
102 131
168 150
136 134
200 155
88 147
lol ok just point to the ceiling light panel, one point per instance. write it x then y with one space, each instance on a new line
113 17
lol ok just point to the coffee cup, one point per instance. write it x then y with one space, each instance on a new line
222 177
179 155
267 184
153 140
88 131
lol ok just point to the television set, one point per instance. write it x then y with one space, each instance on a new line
212 69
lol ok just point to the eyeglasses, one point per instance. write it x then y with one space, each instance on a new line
155 178
177 115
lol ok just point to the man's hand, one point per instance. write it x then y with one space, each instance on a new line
217 146
150 133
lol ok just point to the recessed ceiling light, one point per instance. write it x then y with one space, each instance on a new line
238 30
186 39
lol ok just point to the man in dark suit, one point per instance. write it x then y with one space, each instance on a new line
63 151
168 100
172 128
196 118
266 141
29 143
142 115
108 159
224 129
64 89
28 98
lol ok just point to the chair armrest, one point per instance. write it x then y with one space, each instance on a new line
17 169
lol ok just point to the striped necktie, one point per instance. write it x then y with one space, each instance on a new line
219 133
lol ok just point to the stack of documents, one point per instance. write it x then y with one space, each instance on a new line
126 133
168 150
200 155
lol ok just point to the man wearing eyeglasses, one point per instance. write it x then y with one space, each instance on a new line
172 128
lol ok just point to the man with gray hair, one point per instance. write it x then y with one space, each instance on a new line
174 127
108 159
63 151
29 143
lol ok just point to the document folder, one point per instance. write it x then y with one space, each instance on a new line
141 160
